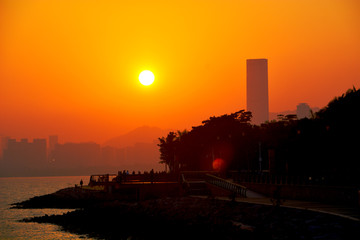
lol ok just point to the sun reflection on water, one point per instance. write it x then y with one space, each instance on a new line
18 189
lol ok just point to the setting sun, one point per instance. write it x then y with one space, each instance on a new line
146 77
80 74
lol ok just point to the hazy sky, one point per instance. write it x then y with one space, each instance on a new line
70 67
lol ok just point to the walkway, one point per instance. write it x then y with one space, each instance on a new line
349 212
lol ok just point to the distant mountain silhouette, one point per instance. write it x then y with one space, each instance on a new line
144 134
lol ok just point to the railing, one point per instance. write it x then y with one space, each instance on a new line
193 175
184 182
230 186
102 178
106 179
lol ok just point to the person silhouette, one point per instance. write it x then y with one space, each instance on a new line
152 176
81 183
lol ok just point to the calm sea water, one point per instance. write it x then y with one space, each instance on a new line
19 189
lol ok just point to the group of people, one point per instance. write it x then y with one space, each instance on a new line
123 176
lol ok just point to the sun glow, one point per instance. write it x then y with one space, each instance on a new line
146 77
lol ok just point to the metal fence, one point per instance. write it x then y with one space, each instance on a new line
223 183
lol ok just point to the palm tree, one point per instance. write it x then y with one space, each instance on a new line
167 150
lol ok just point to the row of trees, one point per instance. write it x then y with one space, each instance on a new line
326 144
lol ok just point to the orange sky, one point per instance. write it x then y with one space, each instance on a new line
70 67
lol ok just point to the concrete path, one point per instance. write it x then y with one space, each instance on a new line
252 194
349 212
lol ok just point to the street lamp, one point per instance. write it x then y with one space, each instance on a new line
260 158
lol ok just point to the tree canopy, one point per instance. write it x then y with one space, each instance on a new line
325 144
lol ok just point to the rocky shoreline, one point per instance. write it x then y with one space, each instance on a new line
103 216
74 197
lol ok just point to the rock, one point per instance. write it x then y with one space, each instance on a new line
107 217
70 198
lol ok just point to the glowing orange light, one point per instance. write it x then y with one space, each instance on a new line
218 164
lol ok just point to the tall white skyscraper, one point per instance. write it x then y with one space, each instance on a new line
257 96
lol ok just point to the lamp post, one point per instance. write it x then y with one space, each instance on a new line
260 158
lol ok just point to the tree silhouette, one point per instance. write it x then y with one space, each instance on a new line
325 145
216 137
167 149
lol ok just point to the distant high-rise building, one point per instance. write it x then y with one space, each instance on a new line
3 145
76 155
303 111
23 158
257 96
53 140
